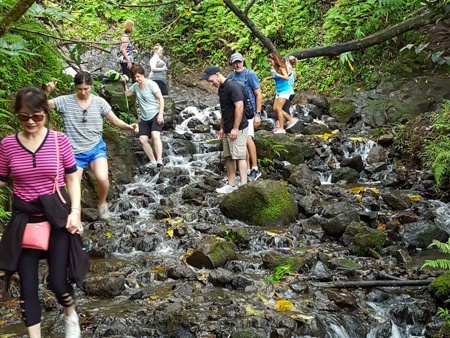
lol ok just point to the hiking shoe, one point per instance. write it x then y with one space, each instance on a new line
254 175
291 123
159 163
103 212
279 131
151 164
72 326
226 189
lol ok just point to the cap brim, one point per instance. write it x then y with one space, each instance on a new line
205 77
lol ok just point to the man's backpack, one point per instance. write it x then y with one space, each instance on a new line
248 107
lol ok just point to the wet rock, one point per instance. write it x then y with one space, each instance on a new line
319 100
246 333
342 110
422 233
336 226
402 256
212 253
347 266
376 154
274 259
240 283
395 199
220 276
266 203
364 241
343 299
354 162
346 174
316 129
106 286
303 176
281 147
180 271
320 273
310 205
370 203
193 196
375 167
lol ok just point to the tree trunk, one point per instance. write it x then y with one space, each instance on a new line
372 283
10 18
249 23
371 40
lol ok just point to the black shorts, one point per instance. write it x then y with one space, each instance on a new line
146 127
162 86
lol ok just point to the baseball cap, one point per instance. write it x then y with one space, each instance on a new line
211 70
236 57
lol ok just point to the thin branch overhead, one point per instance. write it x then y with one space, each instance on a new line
145 6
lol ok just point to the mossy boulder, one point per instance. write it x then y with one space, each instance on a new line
343 111
273 259
212 253
363 240
263 202
282 147
440 287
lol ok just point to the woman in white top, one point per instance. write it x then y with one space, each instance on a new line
158 69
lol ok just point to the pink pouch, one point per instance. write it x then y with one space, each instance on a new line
36 236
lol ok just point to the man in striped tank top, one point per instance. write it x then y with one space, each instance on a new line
83 115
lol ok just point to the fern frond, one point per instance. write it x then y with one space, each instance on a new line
443 264
442 247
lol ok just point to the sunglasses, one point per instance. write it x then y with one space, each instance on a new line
35 117
84 111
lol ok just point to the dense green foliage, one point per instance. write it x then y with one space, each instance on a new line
437 150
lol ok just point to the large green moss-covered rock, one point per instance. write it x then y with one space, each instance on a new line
440 287
262 202
343 111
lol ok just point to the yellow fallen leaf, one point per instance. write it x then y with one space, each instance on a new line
381 227
252 312
108 234
153 297
358 198
336 131
356 190
170 233
375 190
271 234
357 139
305 318
414 198
173 221
326 136
157 268
283 305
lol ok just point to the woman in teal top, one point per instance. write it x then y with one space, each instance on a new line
283 88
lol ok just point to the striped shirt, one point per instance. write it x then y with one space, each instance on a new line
33 174
83 136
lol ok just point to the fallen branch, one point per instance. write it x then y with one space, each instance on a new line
372 283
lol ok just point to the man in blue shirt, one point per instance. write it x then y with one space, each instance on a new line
249 80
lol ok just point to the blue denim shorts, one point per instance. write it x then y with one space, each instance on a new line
86 158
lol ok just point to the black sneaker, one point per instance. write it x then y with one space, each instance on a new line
254 174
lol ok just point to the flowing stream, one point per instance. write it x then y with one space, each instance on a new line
153 228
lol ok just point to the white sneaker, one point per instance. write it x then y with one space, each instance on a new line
103 212
72 326
151 164
292 123
226 189
279 131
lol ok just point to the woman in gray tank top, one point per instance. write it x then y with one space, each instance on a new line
158 69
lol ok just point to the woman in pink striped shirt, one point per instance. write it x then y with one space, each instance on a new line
28 158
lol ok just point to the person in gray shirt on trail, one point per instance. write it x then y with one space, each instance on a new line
151 119
83 115
158 67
